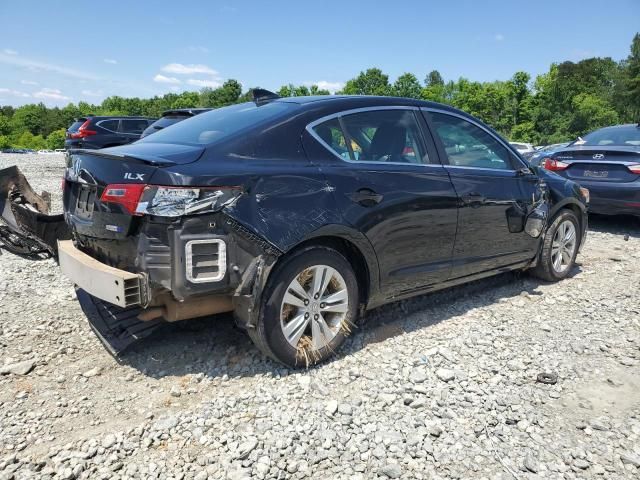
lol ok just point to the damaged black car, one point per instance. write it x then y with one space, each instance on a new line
299 214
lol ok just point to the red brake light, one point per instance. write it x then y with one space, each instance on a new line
554 165
82 131
634 168
126 194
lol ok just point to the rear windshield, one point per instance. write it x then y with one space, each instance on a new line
211 127
621 136
76 125
169 120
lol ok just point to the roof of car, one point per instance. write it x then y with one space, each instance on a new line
625 126
185 110
113 117
372 100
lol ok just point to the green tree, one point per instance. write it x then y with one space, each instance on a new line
370 82
407 85
591 112
29 118
316 90
5 125
186 100
632 79
56 139
227 94
433 78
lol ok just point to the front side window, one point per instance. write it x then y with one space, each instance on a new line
375 136
468 145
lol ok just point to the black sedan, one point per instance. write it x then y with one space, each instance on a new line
607 162
299 214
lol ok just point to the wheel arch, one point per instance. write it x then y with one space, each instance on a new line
355 247
570 204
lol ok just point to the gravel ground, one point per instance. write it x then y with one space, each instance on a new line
442 386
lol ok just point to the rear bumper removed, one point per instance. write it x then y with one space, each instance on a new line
110 284
27 227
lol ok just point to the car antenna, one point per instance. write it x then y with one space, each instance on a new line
262 96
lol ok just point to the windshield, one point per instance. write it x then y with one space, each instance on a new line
211 127
619 136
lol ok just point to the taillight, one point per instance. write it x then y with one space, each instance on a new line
634 168
140 199
127 195
554 165
83 131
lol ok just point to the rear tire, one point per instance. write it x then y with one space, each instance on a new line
308 307
559 248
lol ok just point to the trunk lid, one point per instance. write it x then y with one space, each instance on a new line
599 164
90 171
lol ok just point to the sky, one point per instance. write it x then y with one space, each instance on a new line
58 52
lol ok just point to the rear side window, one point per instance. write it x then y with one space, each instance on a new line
109 125
391 136
133 126
169 120
330 133
468 145
216 125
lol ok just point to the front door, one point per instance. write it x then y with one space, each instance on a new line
393 189
495 190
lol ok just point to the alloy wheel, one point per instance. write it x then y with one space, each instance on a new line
314 308
563 246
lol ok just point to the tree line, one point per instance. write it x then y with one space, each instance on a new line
572 98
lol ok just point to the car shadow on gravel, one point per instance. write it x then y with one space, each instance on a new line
617 224
215 347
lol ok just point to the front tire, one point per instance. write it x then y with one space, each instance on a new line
308 307
559 248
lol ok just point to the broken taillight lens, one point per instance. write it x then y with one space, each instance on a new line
179 201
554 165
140 199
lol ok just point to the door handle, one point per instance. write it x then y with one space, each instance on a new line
474 199
366 197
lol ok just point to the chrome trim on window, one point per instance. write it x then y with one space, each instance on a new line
473 122
108 120
310 128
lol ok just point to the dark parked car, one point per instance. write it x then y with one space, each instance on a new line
544 151
299 214
104 132
607 162
169 117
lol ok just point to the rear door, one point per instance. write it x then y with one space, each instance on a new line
390 185
495 191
